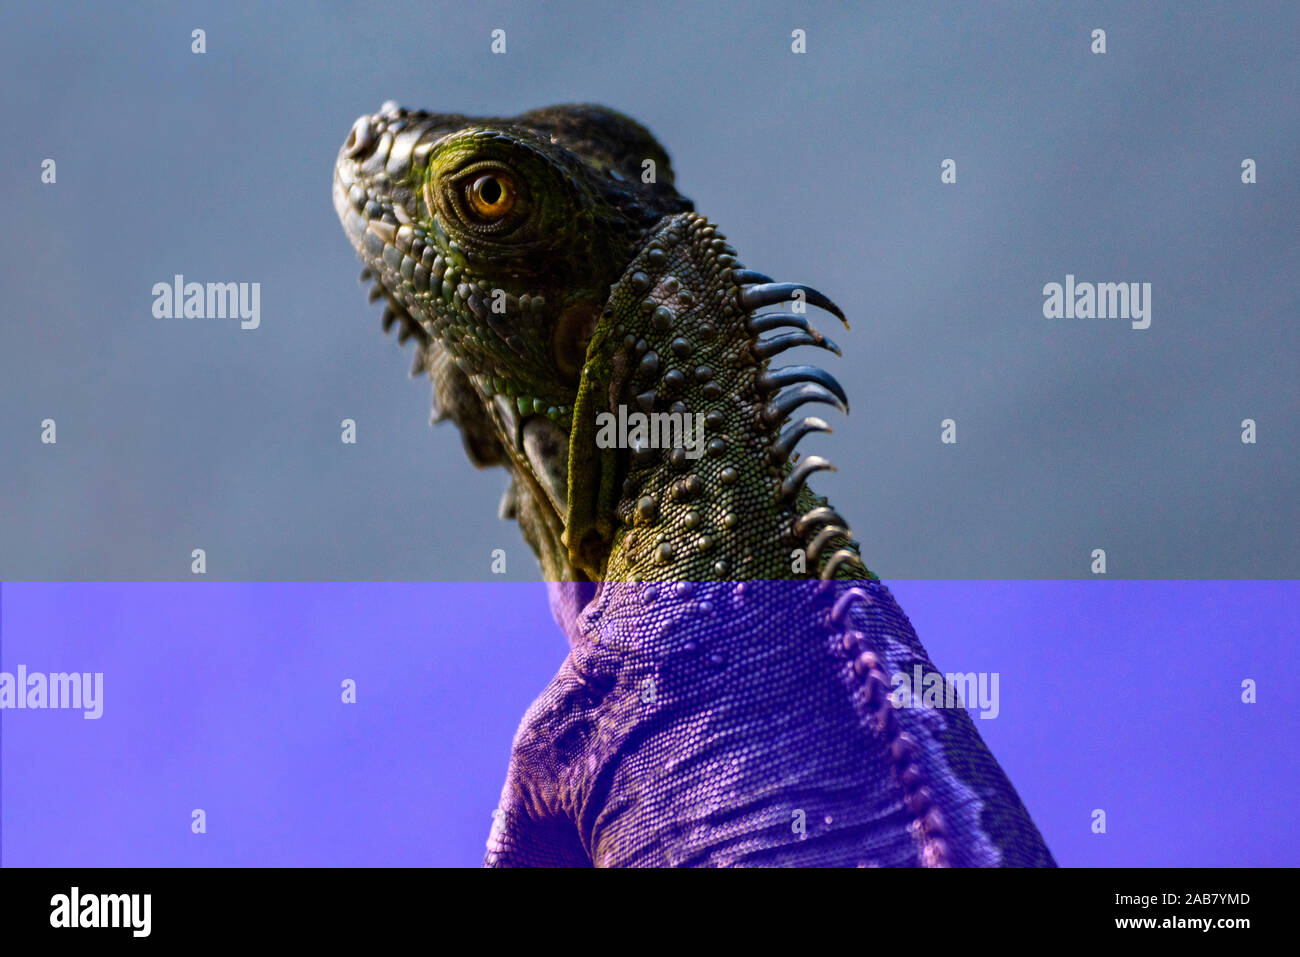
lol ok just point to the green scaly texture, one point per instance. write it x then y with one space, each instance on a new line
674 337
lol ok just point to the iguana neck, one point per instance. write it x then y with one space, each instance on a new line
678 335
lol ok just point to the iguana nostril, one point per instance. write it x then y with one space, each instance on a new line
359 138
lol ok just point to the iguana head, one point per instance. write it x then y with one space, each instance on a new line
495 242
501 237
550 271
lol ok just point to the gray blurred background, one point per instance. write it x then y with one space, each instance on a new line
822 167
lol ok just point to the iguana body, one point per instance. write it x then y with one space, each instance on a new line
726 696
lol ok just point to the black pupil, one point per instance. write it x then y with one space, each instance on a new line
490 191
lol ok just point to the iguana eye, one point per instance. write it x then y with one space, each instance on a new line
491 196
485 201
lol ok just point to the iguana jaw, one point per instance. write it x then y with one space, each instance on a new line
494 431
533 447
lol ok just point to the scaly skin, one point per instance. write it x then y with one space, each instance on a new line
726 695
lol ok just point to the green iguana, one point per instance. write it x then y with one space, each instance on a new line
728 696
